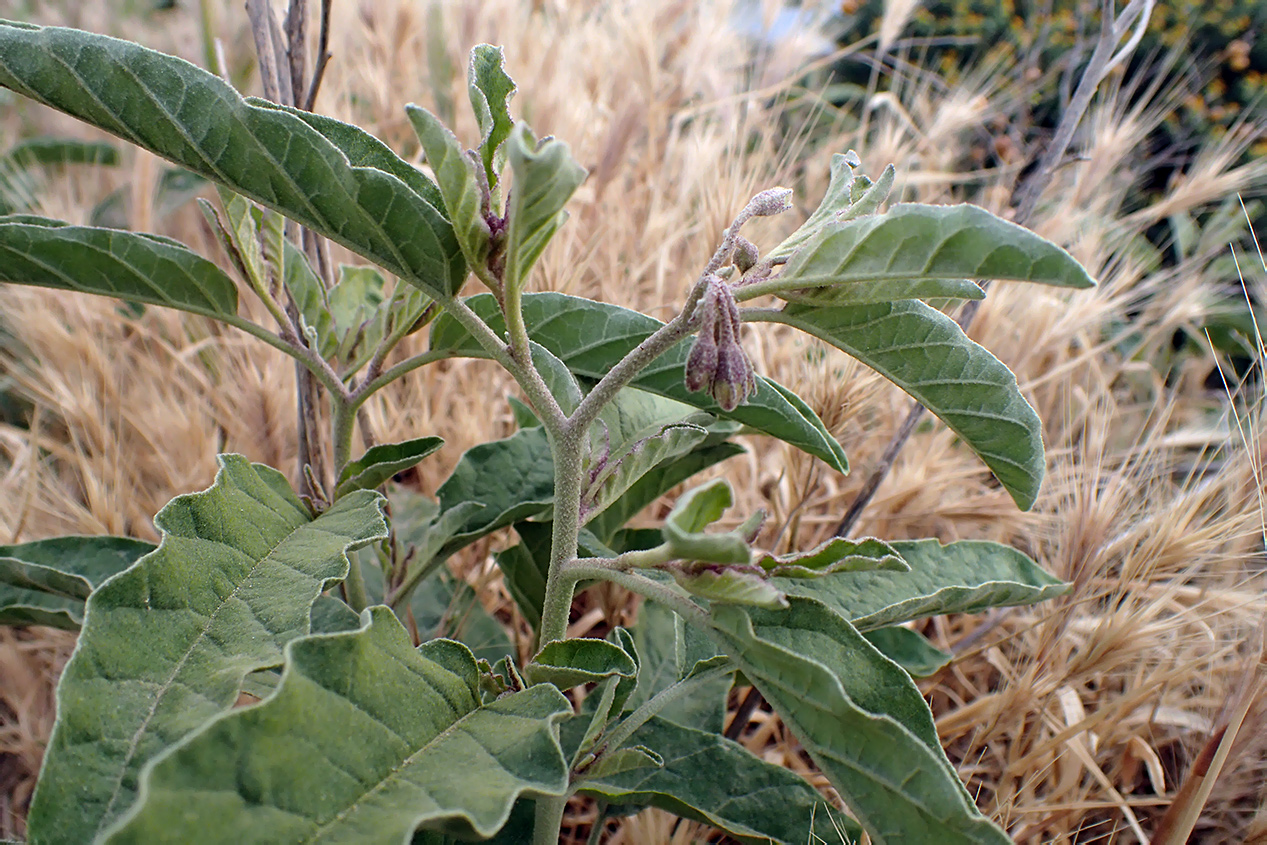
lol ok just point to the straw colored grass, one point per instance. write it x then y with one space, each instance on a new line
1073 721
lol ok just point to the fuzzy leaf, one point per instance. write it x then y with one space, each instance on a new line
731 586
711 779
836 201
964 577
491 90
624 760
683 528
861 719
834 555
366 739
654 483
455 175
910 650
333 178
127 265
46 582
623 470
912 241
167 643
925 353
569 663
886 290
669 650
558 379
512 479
546 176
590 337
380 463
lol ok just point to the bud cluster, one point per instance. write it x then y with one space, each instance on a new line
717 363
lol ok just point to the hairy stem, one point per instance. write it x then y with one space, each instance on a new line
665 594
567 525
621 734
548 820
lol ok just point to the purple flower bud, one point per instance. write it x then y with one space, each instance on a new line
733 379
701 363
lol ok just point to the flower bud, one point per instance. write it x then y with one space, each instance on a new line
733 379
770 202
746 255
701 363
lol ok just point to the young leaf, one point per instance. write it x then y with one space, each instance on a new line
380 463
683 529
108 262
366 739
623 760
491 90
654 483
731 586
358 318
713 780
546 176
333 178
558 379
513 479
455 174
590 337
623 470
925 353
166 644
836 200
46 582
861 719
834 555
912 241
964 577
910 650
569 663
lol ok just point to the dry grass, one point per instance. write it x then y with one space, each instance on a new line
1072 721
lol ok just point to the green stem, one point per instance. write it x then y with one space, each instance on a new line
668 595
354 586
343 413
364 391
549 819
557 605
628 368
310 360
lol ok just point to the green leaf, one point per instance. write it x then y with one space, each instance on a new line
455 175
546 176
836 201
333 178
366 739
925 353
623 470
46 582
668 650
730 586
127 265
654 483
332 616
491 90
625 760
380 463
683 528
166 643
886 290
356 311
713 780
591 337
834 555
912 241
964 577
570 663
558 379
910 650
861 719
59 151
512 479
